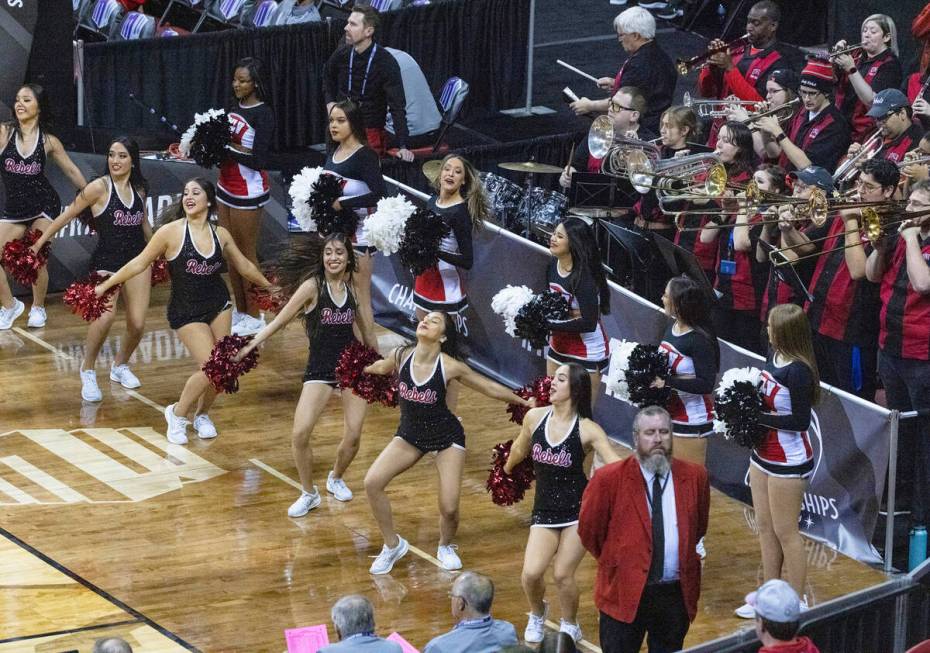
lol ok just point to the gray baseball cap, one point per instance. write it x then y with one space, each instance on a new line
776 601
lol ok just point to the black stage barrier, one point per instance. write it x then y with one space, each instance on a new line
481 41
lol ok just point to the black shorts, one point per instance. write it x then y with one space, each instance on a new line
176 321
696 431
436 441
803 470
364 249
244 203
594 366
48 212
556 520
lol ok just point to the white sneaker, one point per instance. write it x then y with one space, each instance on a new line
9 315
700 550
338 488
536 626
671 13
124 376
177 426
90 391
654 5
448 558
37 317
248 326
204 427
745 611
384 563
572 629
305 503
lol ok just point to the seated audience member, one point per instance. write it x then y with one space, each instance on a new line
778 611
625 109
647 67
475 630
112 645
295 12
354 620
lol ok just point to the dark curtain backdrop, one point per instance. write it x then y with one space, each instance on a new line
481 41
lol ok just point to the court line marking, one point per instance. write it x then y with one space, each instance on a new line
47 345
287 479
97 590
71 631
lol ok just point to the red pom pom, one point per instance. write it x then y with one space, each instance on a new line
160 272
19 259
373 388
508 489
222 370
83 301
271 298
537 389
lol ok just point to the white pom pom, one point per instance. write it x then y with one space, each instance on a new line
199 118
300 190
736 374
616 372
721 427
508 302
385 227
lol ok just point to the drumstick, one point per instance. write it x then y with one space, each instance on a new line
571 156
575 70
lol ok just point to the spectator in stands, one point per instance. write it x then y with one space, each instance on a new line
778 611
647 67
648 572
112 645
475 630
875 68
367 74
625 110
900 264
295 12
354 620
818 134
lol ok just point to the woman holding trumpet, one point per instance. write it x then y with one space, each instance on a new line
781 90
866 69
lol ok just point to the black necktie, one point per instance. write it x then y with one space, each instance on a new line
657 566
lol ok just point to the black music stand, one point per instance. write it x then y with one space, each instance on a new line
786 271
681 261
636 243
592 190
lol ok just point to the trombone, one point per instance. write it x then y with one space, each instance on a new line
614 149
814 208
715 108
685 66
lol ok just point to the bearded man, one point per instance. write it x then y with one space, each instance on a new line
642 518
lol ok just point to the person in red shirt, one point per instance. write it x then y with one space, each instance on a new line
778 612
901 264
874 69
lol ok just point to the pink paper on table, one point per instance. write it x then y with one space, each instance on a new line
308 639
404 644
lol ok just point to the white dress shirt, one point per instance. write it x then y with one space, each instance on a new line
669 521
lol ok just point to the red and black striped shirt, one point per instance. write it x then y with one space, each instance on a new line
905 314
843 308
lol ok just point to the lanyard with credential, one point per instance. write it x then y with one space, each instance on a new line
371 57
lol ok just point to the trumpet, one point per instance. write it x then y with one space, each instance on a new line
916 161
781 113
849 170
685 66
849 49
605 143
715 108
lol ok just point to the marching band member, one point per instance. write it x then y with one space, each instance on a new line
781 87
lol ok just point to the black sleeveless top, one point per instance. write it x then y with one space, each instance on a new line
29 194
196 285
425 420
560 477
119 231
329 330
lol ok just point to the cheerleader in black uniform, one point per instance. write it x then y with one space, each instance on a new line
426 424
577 275
359 165
243 187
199 308
693 360
558 437
461 204
31 202
321 287
117 202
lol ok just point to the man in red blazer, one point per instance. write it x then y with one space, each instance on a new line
627 506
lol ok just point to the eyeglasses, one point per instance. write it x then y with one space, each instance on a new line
616 107
867 186
808 94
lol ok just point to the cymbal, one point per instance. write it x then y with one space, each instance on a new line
431 169
599 212
532 167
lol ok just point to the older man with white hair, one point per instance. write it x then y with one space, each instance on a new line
475 630
647 67
354 619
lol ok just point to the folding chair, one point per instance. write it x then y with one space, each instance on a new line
228 12
134 26
193 8
262 15
451 98
99 18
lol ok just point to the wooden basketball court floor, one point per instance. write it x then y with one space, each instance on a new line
105 528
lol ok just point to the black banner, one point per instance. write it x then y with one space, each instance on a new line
17 22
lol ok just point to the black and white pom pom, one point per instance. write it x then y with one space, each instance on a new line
738 404
633 369
423 234
300 190
206 140
385 227
508 301
532 320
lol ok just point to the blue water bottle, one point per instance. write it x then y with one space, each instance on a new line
721 13
917 549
